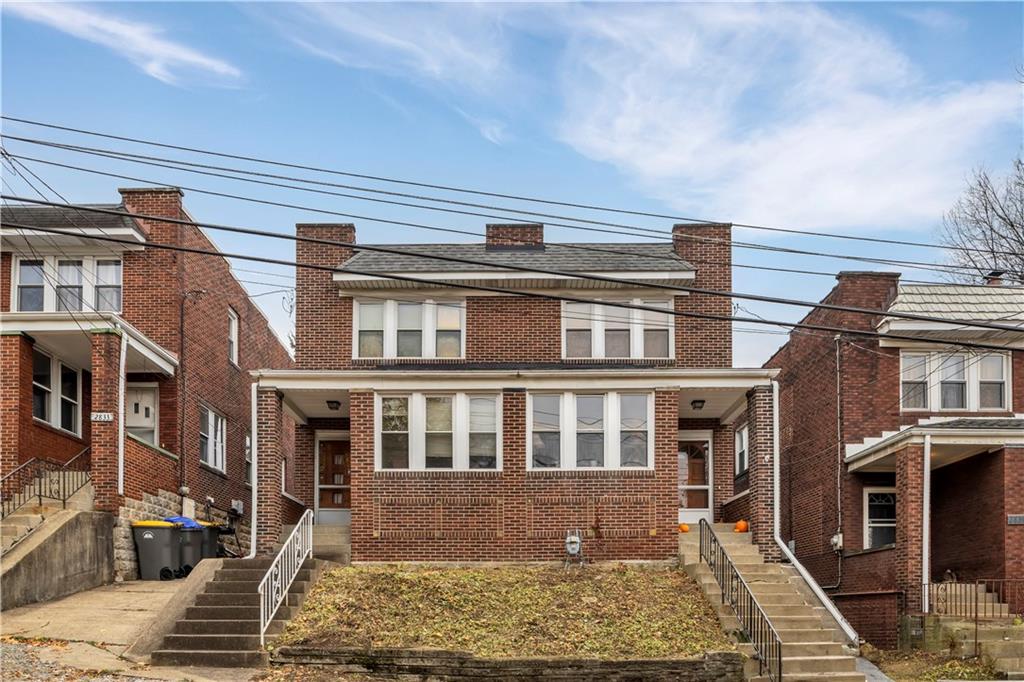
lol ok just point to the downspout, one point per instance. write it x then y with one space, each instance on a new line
847 629
122 363
255 470
926 522
182 369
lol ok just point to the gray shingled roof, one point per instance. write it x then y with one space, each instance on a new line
52 217
608 257
979 423
956 301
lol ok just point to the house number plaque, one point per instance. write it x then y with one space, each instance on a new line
102 416
1015 519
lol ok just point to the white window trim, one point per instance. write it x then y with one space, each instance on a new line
866 536
428 328
220 466
248 457
51 281
54 399
743 431
972 372
233 336
155 387
418 436
612 431
636 329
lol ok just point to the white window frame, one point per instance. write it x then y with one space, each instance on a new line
972 372
866 531
428 343
54 398
233 325
155 387
636 328
51 280
741 435
248 457
217 445
417 429
612 431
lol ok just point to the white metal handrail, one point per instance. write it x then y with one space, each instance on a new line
275 584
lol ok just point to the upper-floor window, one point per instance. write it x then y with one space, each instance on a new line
56 392
945 381
52 283
212 438
879 517
232 336
450 431
593 330
590 430
409 329
742 450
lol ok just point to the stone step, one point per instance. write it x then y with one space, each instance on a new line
241 599
812 677
1009 665
261 564
212 642
801 635
249 586
225 627
249 574
808 622
817 664
762 588
791 598
234 612
210 659
804 649
998 634
773 611
1004 649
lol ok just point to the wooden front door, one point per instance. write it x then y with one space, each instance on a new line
334 491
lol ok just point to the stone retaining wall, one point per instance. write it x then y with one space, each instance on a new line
157 506
715 666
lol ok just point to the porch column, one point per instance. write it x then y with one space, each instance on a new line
106 400
15 396
760 450
268 471
909 527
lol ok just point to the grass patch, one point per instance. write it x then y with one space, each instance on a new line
507 612
921 666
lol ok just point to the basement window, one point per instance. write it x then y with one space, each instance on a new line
879 517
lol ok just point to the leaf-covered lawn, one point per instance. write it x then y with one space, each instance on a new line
506 612
918 666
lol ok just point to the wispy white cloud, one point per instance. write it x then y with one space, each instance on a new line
141 43
931 18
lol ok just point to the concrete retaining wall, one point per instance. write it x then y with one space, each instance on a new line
71 551
716 666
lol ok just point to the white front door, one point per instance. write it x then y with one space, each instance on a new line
694 481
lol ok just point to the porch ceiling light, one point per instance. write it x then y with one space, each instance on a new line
334 405
697 404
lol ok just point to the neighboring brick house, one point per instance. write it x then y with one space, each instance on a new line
444 423
859 419
89 326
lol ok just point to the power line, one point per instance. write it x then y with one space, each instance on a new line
532 270
918 265
521 293
462 190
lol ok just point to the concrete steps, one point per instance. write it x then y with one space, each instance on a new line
17 525
813 649
222 629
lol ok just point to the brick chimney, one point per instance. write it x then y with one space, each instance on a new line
515 236
864 289
161 201
323 335
707 247
995 278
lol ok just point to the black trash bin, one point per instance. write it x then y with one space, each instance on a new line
211 533
157 547
191 540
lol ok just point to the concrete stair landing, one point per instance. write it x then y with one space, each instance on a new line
330 542
17 525
813 647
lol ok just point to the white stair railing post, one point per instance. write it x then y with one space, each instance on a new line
273 589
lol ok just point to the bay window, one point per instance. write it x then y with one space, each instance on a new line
212 438
450 432
940 381
406 329
590 431
879 517
613 332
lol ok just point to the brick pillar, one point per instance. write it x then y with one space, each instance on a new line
514 449
268 471
664 535
15 397
514 235
909 509
361 437
1013 502
761 471
106 386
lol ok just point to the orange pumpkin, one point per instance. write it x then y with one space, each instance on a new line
684 528
741 526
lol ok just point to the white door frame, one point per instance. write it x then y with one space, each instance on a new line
693 516
318 437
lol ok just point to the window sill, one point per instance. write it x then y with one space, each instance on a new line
56 429
291 497
736 498
359 362
437 473
590 473
203 466
620 361
869 550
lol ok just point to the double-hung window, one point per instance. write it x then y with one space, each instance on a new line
656 330
42 385
617 332
590 430
450 432
56 392
69 394
448 334
406 329
879 517
953 382
914 381
248 457
69 285
742 452
992 382
212 438
232 336
108 285
370 343
410 330
31 287
595 330
577 320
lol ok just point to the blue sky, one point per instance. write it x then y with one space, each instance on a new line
861 118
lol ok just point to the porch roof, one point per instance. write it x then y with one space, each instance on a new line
68 336
952 439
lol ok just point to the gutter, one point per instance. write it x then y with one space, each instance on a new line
833 611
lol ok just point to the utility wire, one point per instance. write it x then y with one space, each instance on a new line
462 190
534 270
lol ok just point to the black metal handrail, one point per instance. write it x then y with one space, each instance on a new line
983 599
40 478
758 630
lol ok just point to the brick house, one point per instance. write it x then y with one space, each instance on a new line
90 326
902 462
444 423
